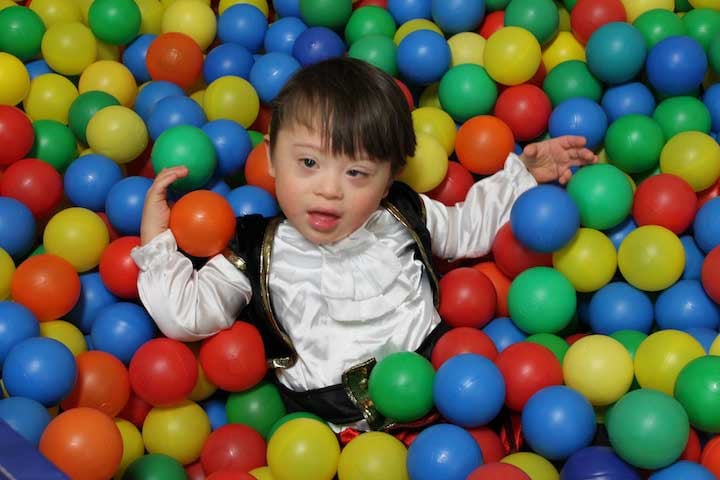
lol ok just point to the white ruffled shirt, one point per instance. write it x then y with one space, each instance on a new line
341 304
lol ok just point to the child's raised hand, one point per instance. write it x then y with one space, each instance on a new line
156 211
552 159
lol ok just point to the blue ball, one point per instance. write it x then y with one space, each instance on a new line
469 390
218 185
173 111
423 57
694 258
232 145
316 44
17 323
215 409
270 74
42 369
705 336
685 305
444 452
282 34
94 296
405 10
134 57
88 180
579 116
455 16
120 329
618 233
676 65
26 416
503 332
243 24
124 204
152 93
287 8
17 228
616 52
620 306
628 99
37 68
711 99
249 199
682 470
599 463
705 227
544 218
227 59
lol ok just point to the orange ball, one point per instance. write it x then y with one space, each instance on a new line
84 443
203 223
46 284
256 169
102 383
483 143
175 57
501 283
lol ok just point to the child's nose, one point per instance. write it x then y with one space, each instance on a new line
329 187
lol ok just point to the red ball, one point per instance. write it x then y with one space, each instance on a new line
512 257
501 283
490 444
454 187
136 409
526 109
35 183
589 15
175 57
692 449
708 194
467 298
47 285
570 339
203 222
262 121
163 372
234 359
462 340
496 471
256 169
233 446
406 92
527 368
367 3
114 235
118 270
102 383
710 275
483 144
194 471
666 200
493 22
16 134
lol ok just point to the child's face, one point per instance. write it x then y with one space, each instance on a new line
325 197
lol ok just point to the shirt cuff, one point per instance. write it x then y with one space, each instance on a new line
517 169
154 251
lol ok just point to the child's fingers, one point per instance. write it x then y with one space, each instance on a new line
165 178
573 141
565 177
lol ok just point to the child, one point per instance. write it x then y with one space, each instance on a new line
344 277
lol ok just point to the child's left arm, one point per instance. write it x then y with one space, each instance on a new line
468 229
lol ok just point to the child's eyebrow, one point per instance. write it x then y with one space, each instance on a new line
307 145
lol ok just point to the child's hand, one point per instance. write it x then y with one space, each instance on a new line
156 212
551 160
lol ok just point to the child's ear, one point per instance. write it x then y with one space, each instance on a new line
270 166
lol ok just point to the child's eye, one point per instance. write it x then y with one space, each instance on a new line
308 162
357 173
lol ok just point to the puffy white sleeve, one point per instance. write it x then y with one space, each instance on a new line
467 230
188 304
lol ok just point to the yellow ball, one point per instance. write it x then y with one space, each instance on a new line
232 98
661 356
105 51
714 4
714 348
167 3
65 333
178 431
110 77
7 3
436 123
262 473
68 48
84 6
651 258
429 96
535 466
262 5
303 449
78 235
193 18
14 80
466 47
600 368
199 97
50 97
133 447
117 132
203 386
428 167
589 260
635 8
373 456
7 268
412 26
56 11
564 47
512 55
151 14
693 156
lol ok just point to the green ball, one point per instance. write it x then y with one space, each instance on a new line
603 195
682 114
571 79
696 389
702 24
189 146
639 177
54 143
116 22
290 416
539 17
552 342
466 91
377 50
648 429
541 300
630 339
682 6
633 143
39 250
369 20
569 4
258 408
401 386
326 13
657 24
84 107
713 54
255 137
493 5
155 466
22 31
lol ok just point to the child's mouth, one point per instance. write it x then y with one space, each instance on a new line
323 221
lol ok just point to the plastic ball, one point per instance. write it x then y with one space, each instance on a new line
634 142
466 91
27 417
651 258
232 144
163 372
705 228
503 333
78 235
54 144
406 10
18 230
488 471
588 15
682 114
616 52
423 57
261 408
513 43
458 16
178 431
658 24
155 465
661 357
526 369
619 306
303 449
512 257
693 156
372 456
243 24
118 133
711 99
541 300
572 79
121 328
378 50
124 204
443 451
270 73
665 200
694 390
427 167
414 25
232 98
194 19
189 146
111 77
17 323
233 446
466 47
676 65
202 222
152 93
102 383
400 385
227 59
69 48
23 29
693 258
436 123
34 183
93 297
630 98
579 116
467 298
241 341
84 108
597 461
589 260
118 270
544 218
173 111
563 48
332 14
65 333
133 57
88 181
525 109
462 340
282 34
46 284
116 23
256 168
710 277
602 194
16 134
683 469
538 17
483 144
175 57
316 44
533 465
367 21
50 97
252 200
684 305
